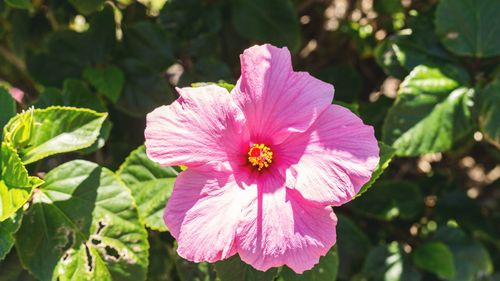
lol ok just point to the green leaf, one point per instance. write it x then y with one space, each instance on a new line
15 184
386 153
208 69
234 269
144 90
108 81
7 229
91 229
228 86
87 6
388 263
431 113
190 271
56 130
275 22
388 200
148 43
161 261
8 106
326 270
489 117
20 4
469 27
470 258
12 270
435 257
150 184
346 79
75 93
352 246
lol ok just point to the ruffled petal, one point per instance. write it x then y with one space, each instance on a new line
204 125
276 100
279 227
203 213
332 161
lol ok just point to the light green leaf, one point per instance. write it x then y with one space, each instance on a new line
234 269
388 200
435 257
20 4
326 270
388 263
470 257
386 153
275 22
90 229
108 81
7 229
8 105
150 184
431 112
55 130
489 117
469 27
15 184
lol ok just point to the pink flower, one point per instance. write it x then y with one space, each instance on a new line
265 164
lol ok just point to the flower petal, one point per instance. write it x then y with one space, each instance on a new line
279 227
331 162
276 100
203 212
204 125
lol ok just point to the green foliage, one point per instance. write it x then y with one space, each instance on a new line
150 184
39 133
424 75
431 112
478 37
91 227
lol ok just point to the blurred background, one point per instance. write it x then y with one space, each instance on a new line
434 213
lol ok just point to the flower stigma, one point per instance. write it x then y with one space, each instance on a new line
260 156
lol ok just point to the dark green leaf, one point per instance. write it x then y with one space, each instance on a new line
8 105
469 27
12 270
326 270
386 153
87 6
91 230
435 257
388 200
190 271
430 113
161 261
388 263
346 80
275 22
233 269
108 81
150 184
20 4
489 117
353 246
470 257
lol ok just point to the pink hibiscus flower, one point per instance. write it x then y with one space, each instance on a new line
265 164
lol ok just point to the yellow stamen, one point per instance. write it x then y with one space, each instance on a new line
260 156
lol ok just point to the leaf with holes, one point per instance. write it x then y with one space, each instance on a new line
15 184
53 130
431 113
91 229
150 184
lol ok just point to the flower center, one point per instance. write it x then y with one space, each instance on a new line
260 156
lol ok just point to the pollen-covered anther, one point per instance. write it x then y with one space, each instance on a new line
260 156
